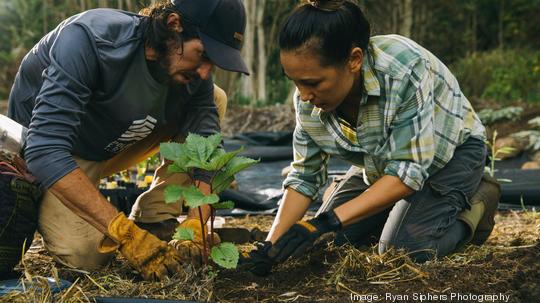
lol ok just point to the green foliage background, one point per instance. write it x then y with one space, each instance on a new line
502 75
492 45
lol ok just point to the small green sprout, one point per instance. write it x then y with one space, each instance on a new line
495 152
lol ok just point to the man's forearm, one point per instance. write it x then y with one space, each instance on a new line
76 192
293 207
381 195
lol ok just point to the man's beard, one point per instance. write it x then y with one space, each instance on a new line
165 64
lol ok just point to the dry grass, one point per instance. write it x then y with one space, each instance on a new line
328 274
391 267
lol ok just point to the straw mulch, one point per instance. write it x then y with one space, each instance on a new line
508 263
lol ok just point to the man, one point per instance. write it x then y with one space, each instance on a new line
98 94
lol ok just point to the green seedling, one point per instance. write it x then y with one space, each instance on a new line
204 153
495 152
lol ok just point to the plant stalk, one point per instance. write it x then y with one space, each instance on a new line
212 214
205 251
212 219
493 154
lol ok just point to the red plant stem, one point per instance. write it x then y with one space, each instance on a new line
205 252
212 218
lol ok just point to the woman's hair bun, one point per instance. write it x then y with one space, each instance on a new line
326 5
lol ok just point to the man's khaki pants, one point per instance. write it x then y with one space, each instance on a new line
72 241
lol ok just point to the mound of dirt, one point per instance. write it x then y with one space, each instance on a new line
275 118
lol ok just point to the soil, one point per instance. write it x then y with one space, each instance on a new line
509 264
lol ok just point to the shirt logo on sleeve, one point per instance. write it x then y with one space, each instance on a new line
138 130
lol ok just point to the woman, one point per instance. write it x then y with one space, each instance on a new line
396 113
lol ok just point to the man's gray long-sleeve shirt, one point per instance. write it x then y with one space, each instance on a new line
85 89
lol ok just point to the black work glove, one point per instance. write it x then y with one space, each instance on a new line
257 260
302 235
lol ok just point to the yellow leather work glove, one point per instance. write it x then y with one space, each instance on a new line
151 257
191 250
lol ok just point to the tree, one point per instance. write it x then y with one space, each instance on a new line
248 51
407 18
450 29
261 51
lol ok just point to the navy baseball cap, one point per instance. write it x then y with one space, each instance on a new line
221 24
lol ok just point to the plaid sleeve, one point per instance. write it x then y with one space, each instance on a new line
309 167
411 141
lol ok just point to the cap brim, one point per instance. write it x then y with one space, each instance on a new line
224 56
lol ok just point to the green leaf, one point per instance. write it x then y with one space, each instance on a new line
239 163
214 140
224 205
193 163
194 197
173 193
220 158
225 255
184 233
177 153
224 177
200 148
171 151
221 182
506 149
175 168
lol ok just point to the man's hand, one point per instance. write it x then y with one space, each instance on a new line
153 258
257 260
302 235
191 250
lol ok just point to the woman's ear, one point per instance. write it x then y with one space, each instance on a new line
356 59
174 22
